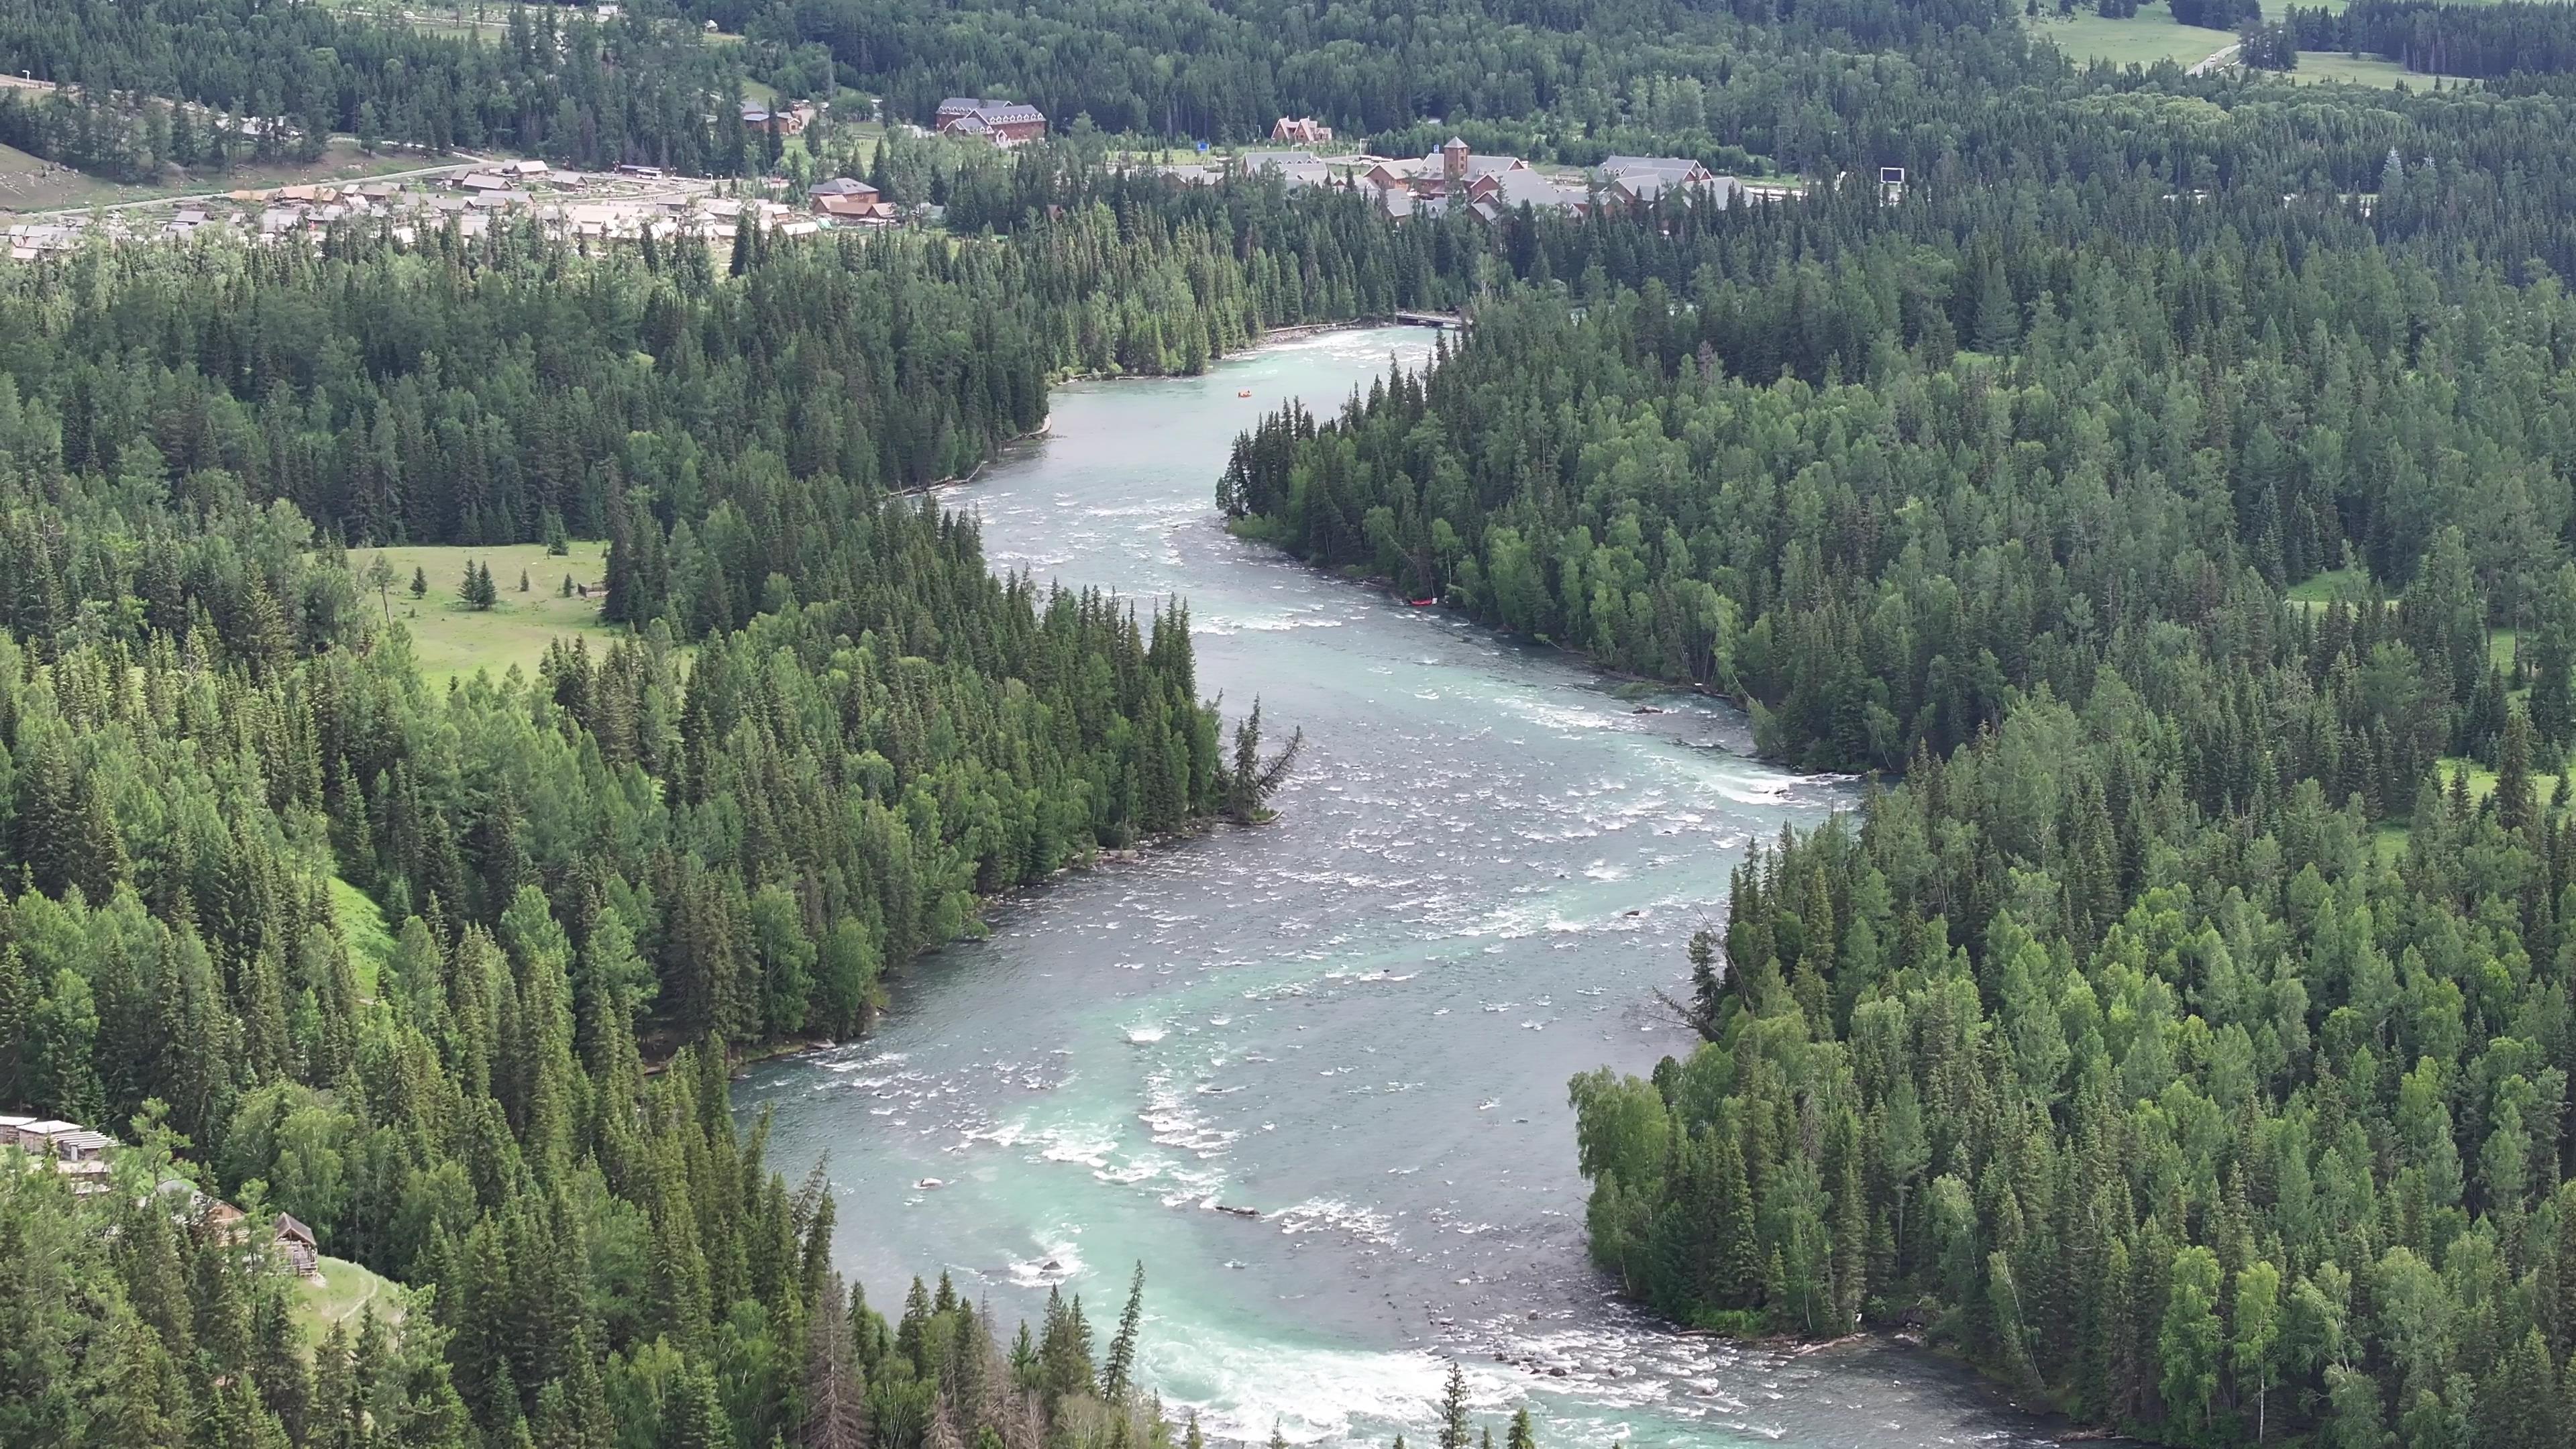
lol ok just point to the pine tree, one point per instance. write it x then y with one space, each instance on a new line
1115 1371
1453 1409
1736 1256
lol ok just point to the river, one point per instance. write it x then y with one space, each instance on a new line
1358 1021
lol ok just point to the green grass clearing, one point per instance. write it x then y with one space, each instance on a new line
2500 649
363 928
451 641
2143 39
2329 67
30 184
2482 781
346 1290
2319 590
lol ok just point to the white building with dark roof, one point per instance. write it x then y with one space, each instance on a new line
1004 123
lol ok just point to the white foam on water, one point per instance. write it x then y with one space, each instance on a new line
1054 1262
1084 1143
1366 1225
1311 1395
1146 1035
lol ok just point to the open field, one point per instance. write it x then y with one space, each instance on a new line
2482 781
451 641
2152 35
2149 36
344 1292
2322 589
30 184
2327 67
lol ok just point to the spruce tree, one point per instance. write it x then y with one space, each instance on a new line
1453 1409
1115 1371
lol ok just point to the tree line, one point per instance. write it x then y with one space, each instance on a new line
2487 41
2184 1036
549 82
826 732
1145 68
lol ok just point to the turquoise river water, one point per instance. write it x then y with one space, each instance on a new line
1358 1021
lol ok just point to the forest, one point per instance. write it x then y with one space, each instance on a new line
2162 498
2488 41
551 83
826 732
1222 73
2179 1027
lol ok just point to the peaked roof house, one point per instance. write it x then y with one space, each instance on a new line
1004 123
296 1243
1451 175
1640 181
1455 165
1393 175
1297 168
1498 194
1300 130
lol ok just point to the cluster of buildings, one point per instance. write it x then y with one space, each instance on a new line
1490 187
624 206
70 1150
782 120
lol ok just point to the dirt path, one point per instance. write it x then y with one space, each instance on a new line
465 162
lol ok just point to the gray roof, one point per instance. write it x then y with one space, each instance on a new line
1675 166
840 186
1652 186
1476 165
992 112
1297 168
1515 187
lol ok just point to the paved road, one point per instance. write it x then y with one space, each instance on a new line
2216 60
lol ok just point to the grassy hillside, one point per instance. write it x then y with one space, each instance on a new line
452 641
363 927
28 184
345 1290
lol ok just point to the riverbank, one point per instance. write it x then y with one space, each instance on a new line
1358 1020
657 1053
1270 337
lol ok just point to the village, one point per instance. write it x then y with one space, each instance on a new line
1455 176
625 205
84 1157
634 202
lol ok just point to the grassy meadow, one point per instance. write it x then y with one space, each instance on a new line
345 1291
452 641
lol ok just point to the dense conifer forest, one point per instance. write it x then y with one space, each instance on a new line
2180 1028
2162 496
829 732
551 83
